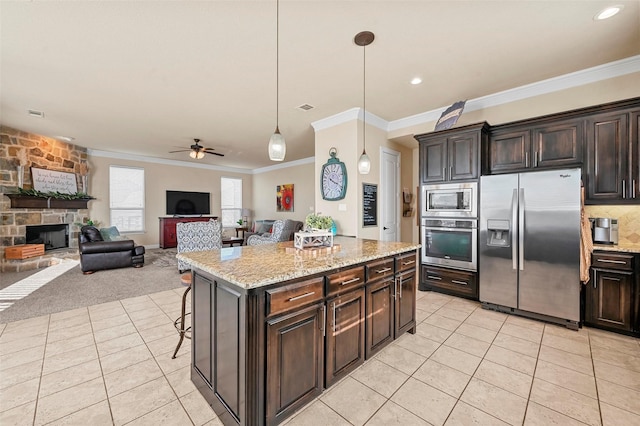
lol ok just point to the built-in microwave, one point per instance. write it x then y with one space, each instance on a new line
450 200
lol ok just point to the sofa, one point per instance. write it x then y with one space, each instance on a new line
278 230
97 254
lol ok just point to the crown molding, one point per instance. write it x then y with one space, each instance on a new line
308 160
145 159
579 78
348 116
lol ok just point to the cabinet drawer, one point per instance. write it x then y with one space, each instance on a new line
406 261
345 280
612 261
289 297
459 282
379 269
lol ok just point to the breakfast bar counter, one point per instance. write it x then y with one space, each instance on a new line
273 326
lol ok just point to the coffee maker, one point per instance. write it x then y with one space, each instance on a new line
604 230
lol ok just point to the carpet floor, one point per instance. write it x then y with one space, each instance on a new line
73 289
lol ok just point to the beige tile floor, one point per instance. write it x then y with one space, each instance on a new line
111 364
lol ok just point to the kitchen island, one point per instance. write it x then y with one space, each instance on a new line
273 326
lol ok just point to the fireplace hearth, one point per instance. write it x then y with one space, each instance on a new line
52 236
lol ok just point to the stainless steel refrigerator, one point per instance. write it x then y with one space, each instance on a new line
529 244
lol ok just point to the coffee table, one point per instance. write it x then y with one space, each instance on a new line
231 241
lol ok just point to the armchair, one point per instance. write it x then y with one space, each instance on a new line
97 254
197 236
282 230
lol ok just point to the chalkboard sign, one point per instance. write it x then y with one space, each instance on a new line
54 181
369 204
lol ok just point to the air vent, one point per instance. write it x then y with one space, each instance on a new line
306 107
34 113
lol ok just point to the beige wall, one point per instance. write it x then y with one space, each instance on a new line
264 192
158 179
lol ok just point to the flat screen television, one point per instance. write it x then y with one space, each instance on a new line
185 203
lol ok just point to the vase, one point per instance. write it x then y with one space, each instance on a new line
85 184
20 176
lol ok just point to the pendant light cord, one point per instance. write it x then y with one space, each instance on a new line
364 98
277 63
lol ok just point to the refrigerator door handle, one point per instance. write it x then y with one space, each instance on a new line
521 229
514 221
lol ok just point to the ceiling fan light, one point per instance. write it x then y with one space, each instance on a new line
200 155
193 154
277 146
364 163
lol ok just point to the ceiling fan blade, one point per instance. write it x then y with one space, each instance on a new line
215 153
180 150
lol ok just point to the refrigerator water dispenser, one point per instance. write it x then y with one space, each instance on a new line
498 233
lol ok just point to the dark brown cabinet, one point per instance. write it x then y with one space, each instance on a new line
295 349
612 158
380 315
405 306
168 237
609 295
546 145
451 155
345 335
450 281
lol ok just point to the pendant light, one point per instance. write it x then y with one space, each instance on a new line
364 39
277 145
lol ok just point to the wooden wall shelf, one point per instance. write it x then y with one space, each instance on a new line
19 201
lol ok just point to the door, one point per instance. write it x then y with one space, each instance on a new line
379 325
558 144
405 309
345 335
295 358
389 194
498 240
608 300
434 161
463 156
549 243
509 151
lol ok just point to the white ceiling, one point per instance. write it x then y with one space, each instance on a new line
146 77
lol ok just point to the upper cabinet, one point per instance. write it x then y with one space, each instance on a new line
452 155
613 158
546 145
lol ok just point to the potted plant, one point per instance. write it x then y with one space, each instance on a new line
317 221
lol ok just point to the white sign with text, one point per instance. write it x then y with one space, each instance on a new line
54 181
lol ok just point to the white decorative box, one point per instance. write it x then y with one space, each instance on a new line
302 240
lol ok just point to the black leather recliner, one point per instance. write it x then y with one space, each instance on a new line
97 254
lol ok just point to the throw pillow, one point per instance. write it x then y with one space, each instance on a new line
91 234
264 228
110 234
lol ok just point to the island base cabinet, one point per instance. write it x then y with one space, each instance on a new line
345 335
295 358
379 325
405 309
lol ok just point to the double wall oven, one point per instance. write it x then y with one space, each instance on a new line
449 225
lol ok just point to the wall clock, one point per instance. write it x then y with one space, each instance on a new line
333 178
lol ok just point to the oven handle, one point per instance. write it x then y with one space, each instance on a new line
469 230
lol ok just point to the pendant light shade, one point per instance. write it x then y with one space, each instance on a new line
277 145
364 39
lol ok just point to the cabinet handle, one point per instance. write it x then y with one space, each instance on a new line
324 320
619 262
624 190
383 270
433 277
395 288
302 296
444 173
334 317
595 278
399 284
526 159
352 280
633 182
450 172
409 262
459 282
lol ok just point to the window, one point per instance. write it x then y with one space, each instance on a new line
231 201
126 198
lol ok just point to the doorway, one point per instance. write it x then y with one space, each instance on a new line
389 194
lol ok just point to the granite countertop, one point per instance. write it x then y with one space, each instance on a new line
256 266
622 247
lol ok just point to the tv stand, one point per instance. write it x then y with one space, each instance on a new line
168 236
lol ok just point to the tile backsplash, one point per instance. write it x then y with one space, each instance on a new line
628 220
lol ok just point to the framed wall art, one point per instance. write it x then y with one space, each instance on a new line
284 197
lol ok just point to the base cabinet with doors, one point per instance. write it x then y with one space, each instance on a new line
611 295
451 281
259 355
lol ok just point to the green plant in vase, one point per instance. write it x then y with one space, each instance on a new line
317 221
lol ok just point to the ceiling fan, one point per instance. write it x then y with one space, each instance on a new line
197 151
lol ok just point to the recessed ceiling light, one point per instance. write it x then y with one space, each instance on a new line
608 12
35 113
416 80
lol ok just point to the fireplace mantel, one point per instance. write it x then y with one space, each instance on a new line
31 202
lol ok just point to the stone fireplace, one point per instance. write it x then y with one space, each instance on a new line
26 149
52 236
